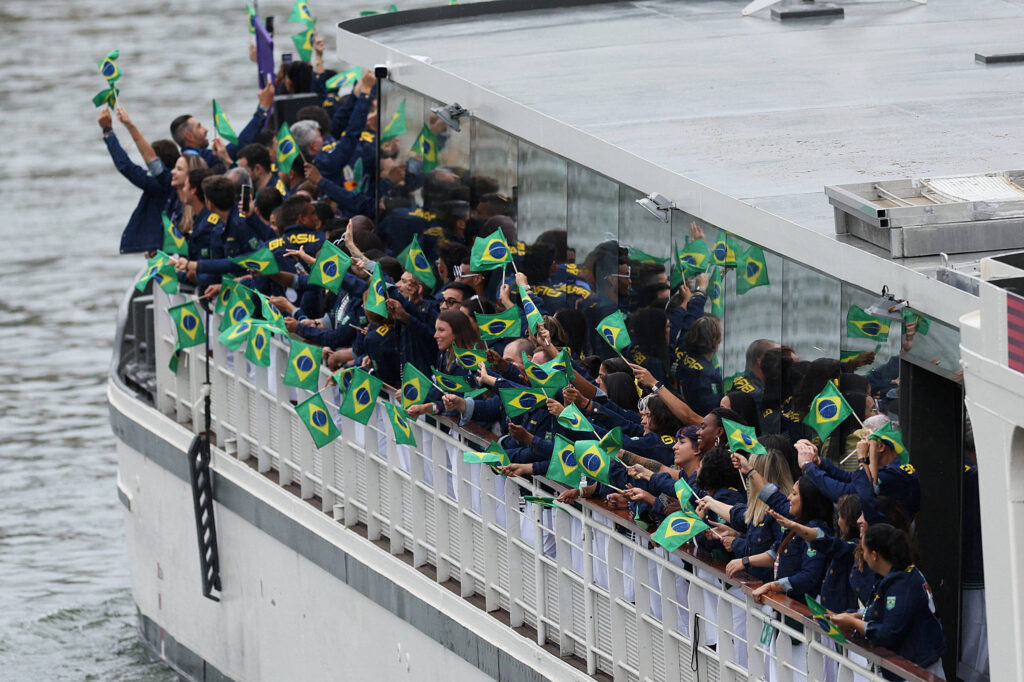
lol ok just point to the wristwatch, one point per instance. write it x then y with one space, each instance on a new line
657 386
746 562
864 460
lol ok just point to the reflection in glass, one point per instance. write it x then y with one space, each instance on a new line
542 199
811 315
638 229
862 332
452 145
592 215
493 154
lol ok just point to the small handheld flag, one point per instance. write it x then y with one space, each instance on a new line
415 261
301 14
223 125
613 330
469 358
611 442
108 97
235 335
685 494
330 267
377 293
361 396
716 293
752 271
860 325
506 324
108 67
303 366
551 376
564 467
287 149
239 306
415 386
694 257
401 425
828 627
271 315
533 316
160 269
742 438
188 325
174 241
641 256
909 317
494 454
677 529
304 44
257 351
261 260
396 126
724 250
425 146
313 413
345 79
542 501
828 410
594 461
452 383
520 400
251 11
490 252
889 435
572 419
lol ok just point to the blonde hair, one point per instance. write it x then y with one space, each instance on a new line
192 162
773 469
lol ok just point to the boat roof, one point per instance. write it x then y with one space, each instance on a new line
765 111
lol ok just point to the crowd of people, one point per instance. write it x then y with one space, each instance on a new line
831 519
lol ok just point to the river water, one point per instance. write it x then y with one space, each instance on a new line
66 611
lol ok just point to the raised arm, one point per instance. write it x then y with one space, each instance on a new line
148 155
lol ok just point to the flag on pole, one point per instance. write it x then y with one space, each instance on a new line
251 12
564 467
543 376
161 270
533 316
828 410
287 150
425 146
694 257
506 324
108 97
452 383
188 325
257 350
303 366
716 293
174 241
889 435
469 358
818 613
304 44
313 413
396 126
684 493
238 308
330 267
677 529
415 386
572 419
377 294
361 396
594 461
301 14
724 250
613 330
415 261
542 501
271 315
742 438
235 335
611 442
345 79
490 252
923 323
401 425
494 454
641 256
109 68
752 270
861 325
223 125
261 260
520 400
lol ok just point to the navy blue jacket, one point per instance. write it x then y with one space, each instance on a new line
145 229
901 617
898 482
755 540
699 382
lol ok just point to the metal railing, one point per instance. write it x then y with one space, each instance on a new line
582 578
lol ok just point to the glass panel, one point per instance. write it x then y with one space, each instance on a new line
592 211
933 343
639 229
452 145
811 316
542 197
493 154
862 332
396 152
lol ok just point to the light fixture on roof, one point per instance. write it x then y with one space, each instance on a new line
887 306
657 205
450 114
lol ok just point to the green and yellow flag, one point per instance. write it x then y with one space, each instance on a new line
533 316
503 325
469 358
425 146
188 325
415 386
542 501
303 366
572 419
594 460
415 262
724 250
677 271
396 126
304 44
345 79
742 438
401 425
752 270
494 454
564 466
490 252
716 293
684 493
889 435
251 12
613 330
611 442
108 67
909 317
227 286
818 613
174 241
301 14
677 529
694 257
828 410
313 413
361 397
239 306
261 260
330 267
271 315
377 294
520 400
452 383
257 350
860 325
223 125
235 335
343 378
160 269
544 376
287 150
641 256
108 97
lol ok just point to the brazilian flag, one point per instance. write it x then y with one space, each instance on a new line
425 147
724 250
742 439
415 386
860 325
677 271
160 269
396 126
818 613
909 317
490 252
494 454
716 293
613 330
542 501
594 461
889 435
694 257
611 442
261 260
343 378
257 351
330 267
572 419
108 67
415 262
271 315
564 467
174 241
188 325
239 306
346 79
684 493
400 424
562 363
235 335
361 396
304 44
452 383
469 358
313 413
227 285
640 256
223 125
828 410
520 400
544 376
303 366
752 271
251 11
377 294
677 529
533 316
108 97
287 150
507 324
301 14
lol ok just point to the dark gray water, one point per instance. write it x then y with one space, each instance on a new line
66 611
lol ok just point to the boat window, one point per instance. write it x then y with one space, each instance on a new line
542 193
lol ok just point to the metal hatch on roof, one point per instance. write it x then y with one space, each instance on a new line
928 216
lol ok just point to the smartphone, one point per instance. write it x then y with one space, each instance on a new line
246 198
286 58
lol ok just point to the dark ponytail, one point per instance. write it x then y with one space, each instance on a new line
890 543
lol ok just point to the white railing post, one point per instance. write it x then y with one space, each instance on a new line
517 565
563 526
350 474
371 466
590 625
491 538
421 496
439 456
